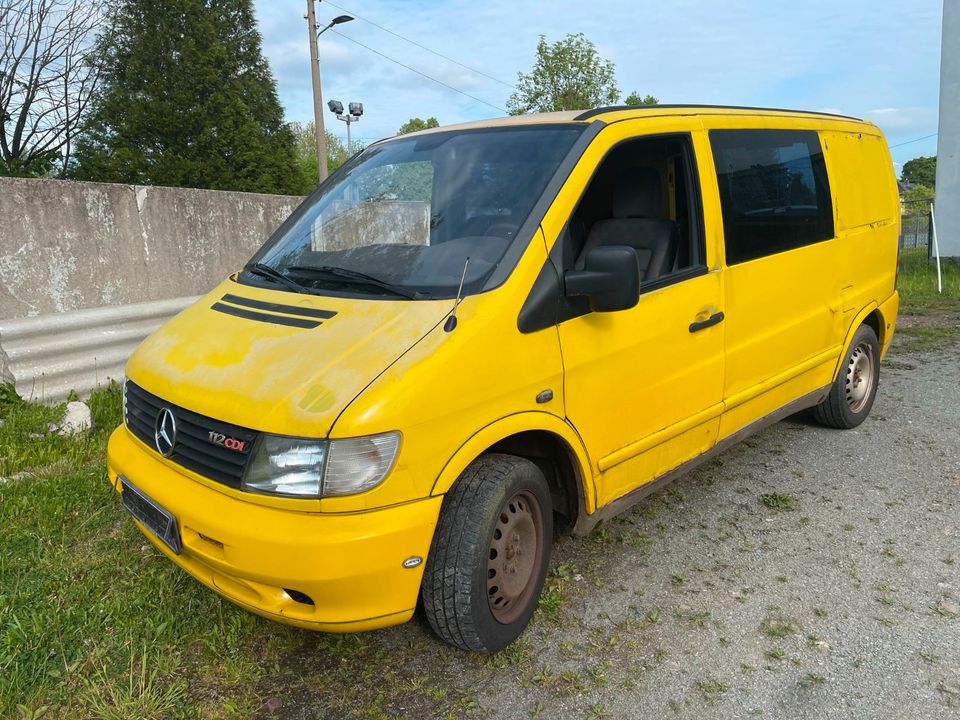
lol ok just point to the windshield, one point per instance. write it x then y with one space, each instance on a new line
403 218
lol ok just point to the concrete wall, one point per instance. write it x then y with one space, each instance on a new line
87 270
948 141
69 246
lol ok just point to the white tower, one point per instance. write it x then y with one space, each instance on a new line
948 141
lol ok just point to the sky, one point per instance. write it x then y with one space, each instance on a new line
875 59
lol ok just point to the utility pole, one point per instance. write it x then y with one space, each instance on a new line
317 97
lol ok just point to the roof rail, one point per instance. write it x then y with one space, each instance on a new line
611 108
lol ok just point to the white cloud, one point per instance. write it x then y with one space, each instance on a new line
918 120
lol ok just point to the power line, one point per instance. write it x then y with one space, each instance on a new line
424 47
418 72
908 142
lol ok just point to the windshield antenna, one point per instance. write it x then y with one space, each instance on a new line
451 322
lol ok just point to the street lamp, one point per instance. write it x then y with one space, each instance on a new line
355 110
317 95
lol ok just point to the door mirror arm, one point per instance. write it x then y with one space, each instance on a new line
610 278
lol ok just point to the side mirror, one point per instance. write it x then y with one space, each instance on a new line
610 278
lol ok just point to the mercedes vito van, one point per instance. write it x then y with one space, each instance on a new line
472 336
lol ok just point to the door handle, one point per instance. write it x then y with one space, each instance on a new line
709 322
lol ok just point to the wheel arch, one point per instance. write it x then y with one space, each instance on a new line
870 315
549 442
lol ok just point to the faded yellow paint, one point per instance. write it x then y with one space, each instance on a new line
635 394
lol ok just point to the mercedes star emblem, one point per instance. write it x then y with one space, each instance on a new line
165 432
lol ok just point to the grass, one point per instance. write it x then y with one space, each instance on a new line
776 625
926 339
779 501
26 442
937 314
713 689
917 282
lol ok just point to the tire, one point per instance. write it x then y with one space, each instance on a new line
489 554
855 388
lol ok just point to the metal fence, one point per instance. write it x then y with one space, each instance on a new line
915 226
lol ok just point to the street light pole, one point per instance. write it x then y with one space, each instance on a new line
317 96
354 111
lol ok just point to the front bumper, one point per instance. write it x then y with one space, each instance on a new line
349 564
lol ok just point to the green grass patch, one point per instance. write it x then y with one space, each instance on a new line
779 501
926 339
713 689
917 282
777 625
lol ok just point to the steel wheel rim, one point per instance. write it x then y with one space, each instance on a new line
859 377
514 557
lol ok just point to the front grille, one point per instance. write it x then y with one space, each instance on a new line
192 448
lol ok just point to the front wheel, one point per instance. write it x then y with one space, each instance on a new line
489 554
855 388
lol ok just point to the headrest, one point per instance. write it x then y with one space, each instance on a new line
637 194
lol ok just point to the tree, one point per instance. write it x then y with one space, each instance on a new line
306 146
921 170
188 100
918 194
47 79
567 75
415 124
635 98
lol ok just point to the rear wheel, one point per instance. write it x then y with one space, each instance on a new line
855 388
489 554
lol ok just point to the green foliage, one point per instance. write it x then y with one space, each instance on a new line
567 75
415 124
779 501
921 170
917 194
40 166
188 100
635 98
8 398
306 149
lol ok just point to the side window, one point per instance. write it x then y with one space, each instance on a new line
643 195
774 191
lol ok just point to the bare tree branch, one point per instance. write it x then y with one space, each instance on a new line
47 75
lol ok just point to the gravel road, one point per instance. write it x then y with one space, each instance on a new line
806 573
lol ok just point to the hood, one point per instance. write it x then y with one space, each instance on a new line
276 361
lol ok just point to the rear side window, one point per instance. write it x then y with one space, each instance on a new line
773 191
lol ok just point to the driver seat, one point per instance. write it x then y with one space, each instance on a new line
638 221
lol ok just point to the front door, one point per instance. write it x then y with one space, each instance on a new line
643 386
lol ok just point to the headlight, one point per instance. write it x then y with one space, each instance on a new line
300 467
286 466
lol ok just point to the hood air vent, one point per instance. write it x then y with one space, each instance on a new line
268 312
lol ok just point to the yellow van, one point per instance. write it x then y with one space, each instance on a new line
470 337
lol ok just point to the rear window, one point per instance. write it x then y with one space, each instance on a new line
774 191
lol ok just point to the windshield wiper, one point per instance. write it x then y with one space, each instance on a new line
359 278
265 271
